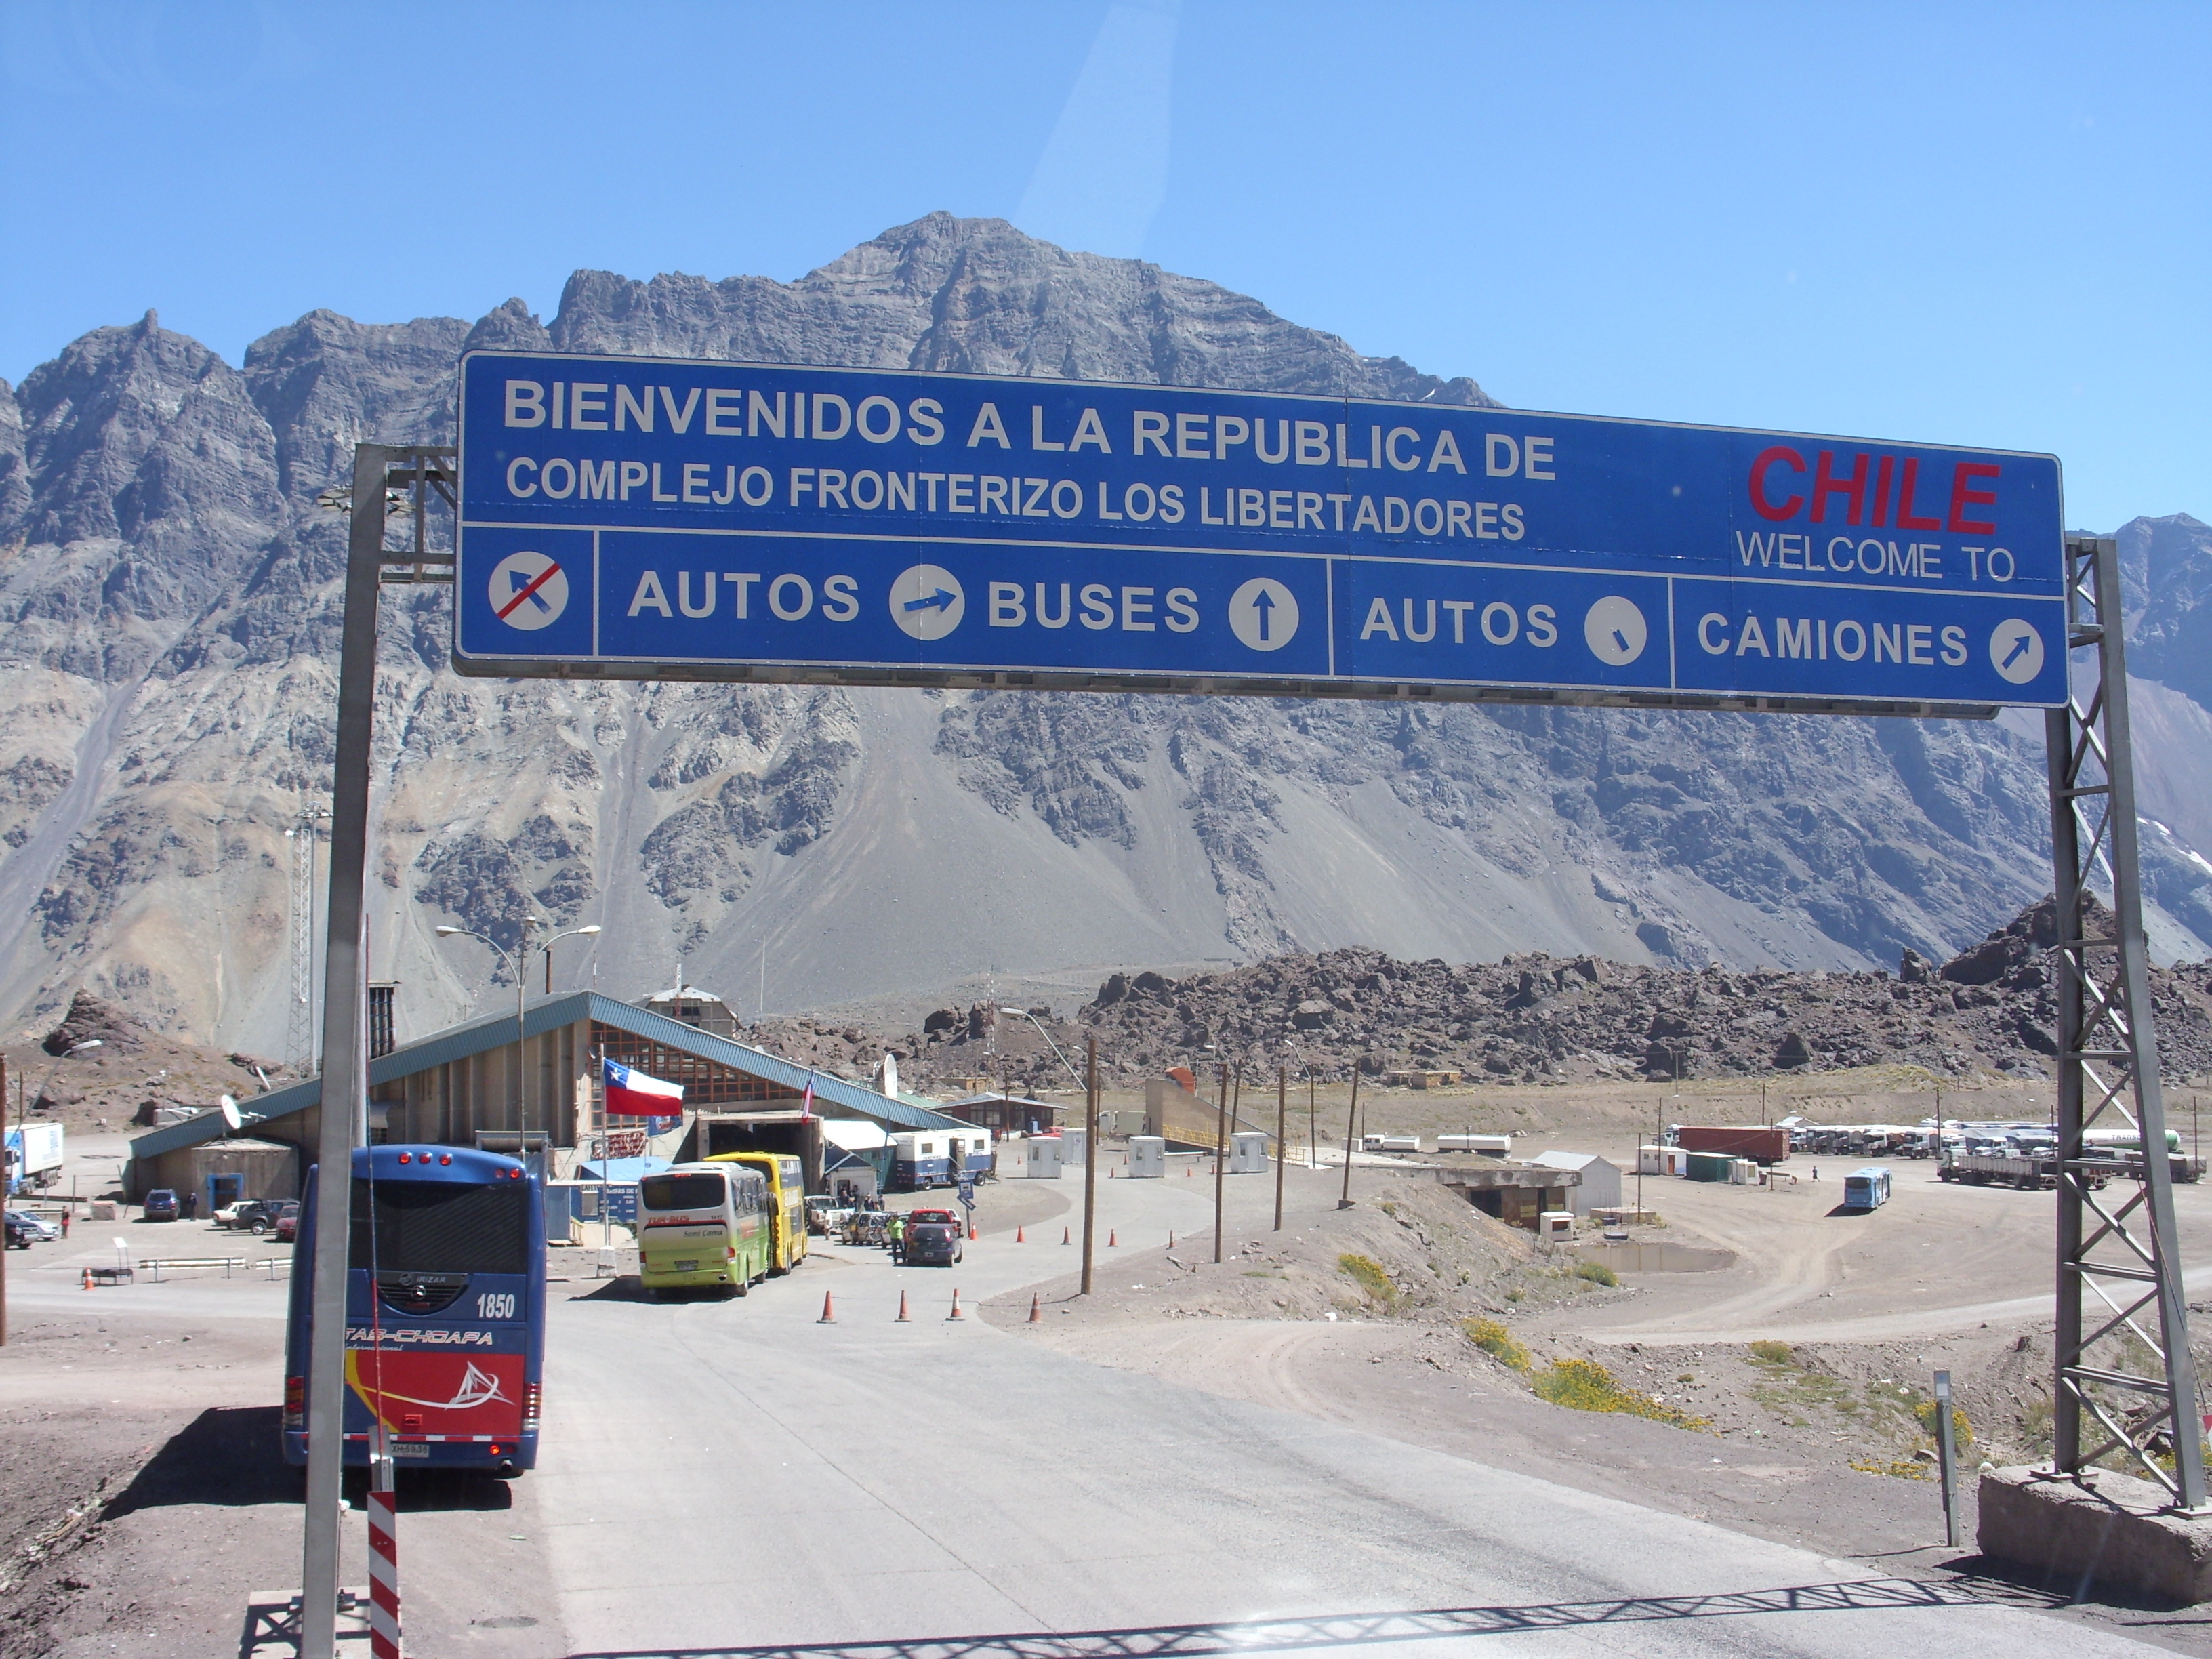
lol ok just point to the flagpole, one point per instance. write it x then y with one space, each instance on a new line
606 1150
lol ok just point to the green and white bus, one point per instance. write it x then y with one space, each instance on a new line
703 1226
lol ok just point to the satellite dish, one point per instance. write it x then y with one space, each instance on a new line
229 1108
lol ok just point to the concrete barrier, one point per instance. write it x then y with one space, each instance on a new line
2110 1528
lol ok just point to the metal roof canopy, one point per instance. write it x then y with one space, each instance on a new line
477 1037
2107 1051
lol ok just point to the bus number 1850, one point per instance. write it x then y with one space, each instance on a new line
495 1307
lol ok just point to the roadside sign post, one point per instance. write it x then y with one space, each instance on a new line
1947 1458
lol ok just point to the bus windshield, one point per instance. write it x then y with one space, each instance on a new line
682 1192
442 1227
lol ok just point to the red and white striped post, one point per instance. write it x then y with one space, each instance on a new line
383 1578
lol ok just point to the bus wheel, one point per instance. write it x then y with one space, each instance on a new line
741 1287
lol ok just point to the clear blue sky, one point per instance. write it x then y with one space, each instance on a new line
1984 224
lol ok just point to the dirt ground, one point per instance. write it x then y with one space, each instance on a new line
1820 1435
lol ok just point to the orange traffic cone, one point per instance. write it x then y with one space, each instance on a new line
1171 1238
1189 1170
828 1310
956 1313
1036 1310
88 1278
1019 1236
1064 1238
903 1319
972 1234
1113 1239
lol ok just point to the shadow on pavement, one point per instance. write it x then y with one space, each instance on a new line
232 1458
1353 1629
626 1287
224 1456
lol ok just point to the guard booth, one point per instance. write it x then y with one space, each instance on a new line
1148 1157
1248 1152
1040 1157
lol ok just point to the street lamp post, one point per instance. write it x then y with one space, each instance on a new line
1064 1060
518 963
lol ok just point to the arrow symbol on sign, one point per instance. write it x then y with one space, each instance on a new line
2018 650
1263 602
526 587
1620 640
941 599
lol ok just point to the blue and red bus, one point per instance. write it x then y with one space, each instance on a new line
445 1310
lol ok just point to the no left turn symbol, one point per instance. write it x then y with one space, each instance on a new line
528 590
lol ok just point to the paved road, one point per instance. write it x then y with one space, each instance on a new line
734 1475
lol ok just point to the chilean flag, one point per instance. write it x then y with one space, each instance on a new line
632 1094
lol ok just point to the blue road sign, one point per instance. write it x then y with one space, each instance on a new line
640 518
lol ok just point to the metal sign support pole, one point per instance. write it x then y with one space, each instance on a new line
344 1048
2122 1364
319 1570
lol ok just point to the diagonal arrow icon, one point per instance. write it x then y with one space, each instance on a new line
528 590
939 600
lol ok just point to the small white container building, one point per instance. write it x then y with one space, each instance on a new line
1040 1157
1070 1147
1248 1152
1148 1157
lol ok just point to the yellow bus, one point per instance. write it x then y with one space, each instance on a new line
786 1203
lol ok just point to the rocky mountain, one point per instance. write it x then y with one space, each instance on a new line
166 679
1534 1017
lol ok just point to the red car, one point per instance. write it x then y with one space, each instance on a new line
287 1222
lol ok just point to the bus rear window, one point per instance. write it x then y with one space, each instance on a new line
681 1192
442 1227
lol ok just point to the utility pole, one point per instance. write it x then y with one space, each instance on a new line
1282 1152
1313 1121
1350 1127
1089 1158
1220 1157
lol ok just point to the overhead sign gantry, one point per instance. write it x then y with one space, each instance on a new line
643 519
640 518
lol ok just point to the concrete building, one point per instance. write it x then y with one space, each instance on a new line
1517 1193
537 1093
1599 1188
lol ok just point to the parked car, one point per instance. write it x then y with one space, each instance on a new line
25 1229
933 1238
250 1215
287 1222
161 1205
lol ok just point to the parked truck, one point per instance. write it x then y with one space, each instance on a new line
1761 1145
34 1155
1998 1169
